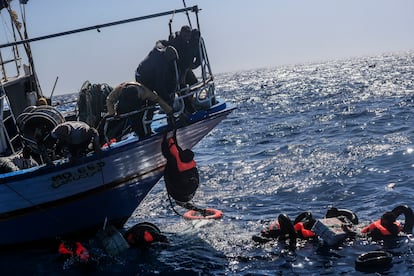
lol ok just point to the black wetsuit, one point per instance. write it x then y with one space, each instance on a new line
188 52
158 74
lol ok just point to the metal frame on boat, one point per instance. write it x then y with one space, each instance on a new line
61 198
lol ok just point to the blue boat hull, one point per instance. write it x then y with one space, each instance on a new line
81 214
66 199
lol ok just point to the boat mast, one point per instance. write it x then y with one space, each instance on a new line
19 30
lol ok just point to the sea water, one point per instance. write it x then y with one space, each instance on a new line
303 138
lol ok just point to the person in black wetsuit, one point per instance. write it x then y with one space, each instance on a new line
157 72
186 41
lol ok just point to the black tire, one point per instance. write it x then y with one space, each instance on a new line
373 260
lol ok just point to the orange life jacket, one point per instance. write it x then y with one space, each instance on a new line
299 228
377 225
182 166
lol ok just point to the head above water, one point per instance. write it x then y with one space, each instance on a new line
388 218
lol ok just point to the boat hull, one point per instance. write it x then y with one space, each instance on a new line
61 200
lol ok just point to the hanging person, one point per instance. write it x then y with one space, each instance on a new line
181 174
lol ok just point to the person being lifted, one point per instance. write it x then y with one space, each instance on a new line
180 174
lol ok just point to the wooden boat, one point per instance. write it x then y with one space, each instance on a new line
62 198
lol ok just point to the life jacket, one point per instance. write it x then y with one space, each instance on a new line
274 230
76 249
300 229
377 225
182 166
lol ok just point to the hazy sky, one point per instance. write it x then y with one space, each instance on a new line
239 34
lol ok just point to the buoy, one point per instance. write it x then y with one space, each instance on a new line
211 214
373 260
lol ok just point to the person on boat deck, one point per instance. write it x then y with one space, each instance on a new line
180 174
186 41
132 96
158 73
76 137
24 159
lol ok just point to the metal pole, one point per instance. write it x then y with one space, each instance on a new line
97 27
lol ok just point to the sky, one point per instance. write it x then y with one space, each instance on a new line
239 34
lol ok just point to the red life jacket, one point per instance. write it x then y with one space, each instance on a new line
182 166
77 249
64 250
299 228
377 225
82 252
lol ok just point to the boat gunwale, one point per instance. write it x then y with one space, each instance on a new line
123 146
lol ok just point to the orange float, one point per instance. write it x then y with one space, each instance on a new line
212 214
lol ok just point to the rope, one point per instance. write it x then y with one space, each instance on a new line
172 206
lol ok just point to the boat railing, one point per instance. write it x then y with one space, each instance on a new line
121 119
202 98
201 94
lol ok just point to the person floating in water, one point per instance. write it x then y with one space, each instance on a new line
307 227
181 174
388 226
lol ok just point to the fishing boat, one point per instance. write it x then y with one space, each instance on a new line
62 198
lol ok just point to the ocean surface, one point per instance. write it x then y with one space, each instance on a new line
303 138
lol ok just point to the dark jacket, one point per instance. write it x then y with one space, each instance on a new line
188 52
158 74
